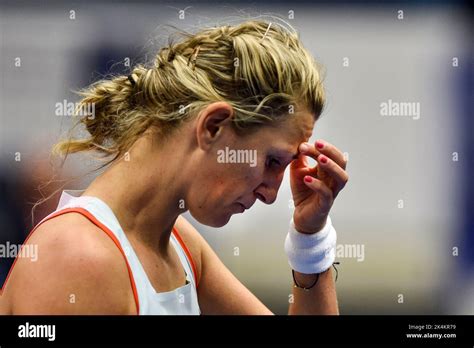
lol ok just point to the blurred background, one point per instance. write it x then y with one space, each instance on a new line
404 221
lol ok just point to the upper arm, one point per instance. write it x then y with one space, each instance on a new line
77 271
219 291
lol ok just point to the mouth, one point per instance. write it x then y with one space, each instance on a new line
242 207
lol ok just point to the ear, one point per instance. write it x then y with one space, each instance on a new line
211 123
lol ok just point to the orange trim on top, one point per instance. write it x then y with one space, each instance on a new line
96 222
188 254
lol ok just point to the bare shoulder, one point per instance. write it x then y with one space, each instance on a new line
78 270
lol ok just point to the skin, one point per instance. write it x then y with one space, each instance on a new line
146 194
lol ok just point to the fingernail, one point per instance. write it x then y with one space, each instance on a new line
319 144
304 147
323 159
308 179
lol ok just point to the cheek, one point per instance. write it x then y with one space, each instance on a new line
230 184
216 186
238 182
246 178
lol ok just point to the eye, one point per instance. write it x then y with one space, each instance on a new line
273 162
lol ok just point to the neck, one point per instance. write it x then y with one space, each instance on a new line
145 192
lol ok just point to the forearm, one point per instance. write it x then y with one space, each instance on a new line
319 300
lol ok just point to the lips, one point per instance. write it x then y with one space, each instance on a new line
242 207
248 205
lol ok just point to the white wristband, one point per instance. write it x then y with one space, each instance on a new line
311 253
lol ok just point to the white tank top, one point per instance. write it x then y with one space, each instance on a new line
180 301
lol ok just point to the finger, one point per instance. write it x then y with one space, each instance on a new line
319 187
307 149
301 167
339 175
323 147
299 162
332 152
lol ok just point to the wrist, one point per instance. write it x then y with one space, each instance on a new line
304 280
311 253
314 228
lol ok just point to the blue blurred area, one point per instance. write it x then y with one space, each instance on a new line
466 101
12 221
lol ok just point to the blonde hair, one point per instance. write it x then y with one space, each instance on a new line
260 68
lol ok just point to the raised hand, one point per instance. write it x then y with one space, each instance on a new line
315 188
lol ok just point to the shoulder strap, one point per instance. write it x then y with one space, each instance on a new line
187 253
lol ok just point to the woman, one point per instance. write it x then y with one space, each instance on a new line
120 246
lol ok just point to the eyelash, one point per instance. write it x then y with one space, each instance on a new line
273 160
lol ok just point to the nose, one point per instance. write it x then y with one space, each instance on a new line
267 191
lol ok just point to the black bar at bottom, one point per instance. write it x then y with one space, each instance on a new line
291 330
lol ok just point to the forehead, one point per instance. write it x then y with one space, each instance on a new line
290 132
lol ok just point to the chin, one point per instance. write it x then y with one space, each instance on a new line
214 220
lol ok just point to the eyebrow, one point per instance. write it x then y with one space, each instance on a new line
293 157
